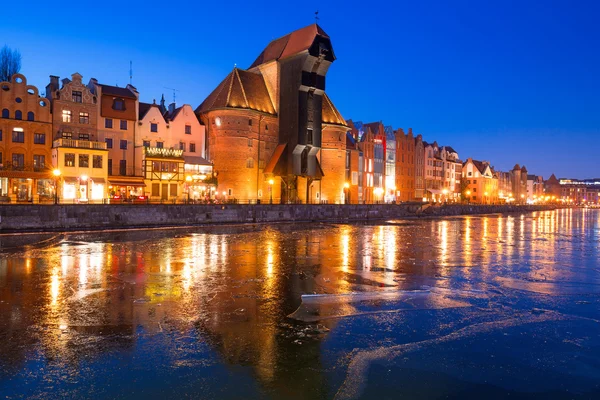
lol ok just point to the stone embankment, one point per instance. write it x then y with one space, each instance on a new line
45 218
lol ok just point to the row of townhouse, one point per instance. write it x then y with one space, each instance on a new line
89 142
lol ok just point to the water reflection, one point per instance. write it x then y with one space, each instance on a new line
224 295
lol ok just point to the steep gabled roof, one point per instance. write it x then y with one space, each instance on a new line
240 89
330 114
290 44
144 108
117 91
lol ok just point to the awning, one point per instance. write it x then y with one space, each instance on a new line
98 180
70 179
434 191
195 160
127 181
274 165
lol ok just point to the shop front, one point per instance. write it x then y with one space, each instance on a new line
126 188
200 183
164 174
25 187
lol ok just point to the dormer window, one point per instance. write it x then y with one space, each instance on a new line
118 104
77 98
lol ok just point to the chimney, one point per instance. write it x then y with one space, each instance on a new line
52 87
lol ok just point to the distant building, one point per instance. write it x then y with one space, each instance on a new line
25 143
405 165
77 150
390 165
433 172
419 168
481 183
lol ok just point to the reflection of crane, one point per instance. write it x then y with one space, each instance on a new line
174 90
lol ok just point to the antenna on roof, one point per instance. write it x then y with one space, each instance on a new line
130 71
317 16
174 90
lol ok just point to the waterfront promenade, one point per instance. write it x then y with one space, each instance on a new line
42 218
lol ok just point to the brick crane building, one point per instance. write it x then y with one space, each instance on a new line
274 123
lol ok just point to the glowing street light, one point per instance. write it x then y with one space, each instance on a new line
188 179
445 193
346 192
271 182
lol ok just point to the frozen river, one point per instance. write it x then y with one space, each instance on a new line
462 308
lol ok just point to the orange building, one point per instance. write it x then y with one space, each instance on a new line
25 143
272 132
405 165
481 184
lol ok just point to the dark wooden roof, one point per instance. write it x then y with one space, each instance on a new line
290 44
117 91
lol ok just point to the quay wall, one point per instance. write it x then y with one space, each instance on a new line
36 218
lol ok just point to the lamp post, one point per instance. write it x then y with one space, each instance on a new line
522 199
485 197
271 182
445 193
468 193
346 193
56 173
188 179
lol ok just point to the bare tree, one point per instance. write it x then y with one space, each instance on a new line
10 63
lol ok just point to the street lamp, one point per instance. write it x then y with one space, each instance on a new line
271 182
56 173
346 192
378 191
484 197
188 179
445 193
468 193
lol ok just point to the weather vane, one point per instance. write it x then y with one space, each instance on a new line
317 16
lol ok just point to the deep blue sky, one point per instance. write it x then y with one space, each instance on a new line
504 81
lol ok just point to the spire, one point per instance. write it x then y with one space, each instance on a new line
162 104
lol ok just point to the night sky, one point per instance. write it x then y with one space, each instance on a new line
505 81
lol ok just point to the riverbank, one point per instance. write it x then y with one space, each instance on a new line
58 218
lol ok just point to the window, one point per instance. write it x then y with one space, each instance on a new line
30 116
229 192
123 125
66 116
108 123
123 167
110 166
118 104
188 129
84 136
123 144
474 189
76 96
266 127
18 160
84 161
39 138
153 127
84 118
250 163
39 162
18 135
249 142
192 147
69 160
159 145
0 141
18 115
146 143
67 135
97 161
5 113
249 122
182 146
474 181
108 143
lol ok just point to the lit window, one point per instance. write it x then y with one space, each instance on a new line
218 121
69 160
66 116
97 162
84 118
18 135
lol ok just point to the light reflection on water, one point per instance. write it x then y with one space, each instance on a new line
229 290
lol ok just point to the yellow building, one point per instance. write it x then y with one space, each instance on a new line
83 167
480 183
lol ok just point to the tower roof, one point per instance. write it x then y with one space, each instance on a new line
240 89
290 44
330 114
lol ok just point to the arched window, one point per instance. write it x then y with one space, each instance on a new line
18 115
5 113
30 116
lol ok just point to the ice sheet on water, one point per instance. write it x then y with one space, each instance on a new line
549 287
326 306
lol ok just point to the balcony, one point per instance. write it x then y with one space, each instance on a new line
79 144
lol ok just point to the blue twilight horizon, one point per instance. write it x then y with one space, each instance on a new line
504 81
